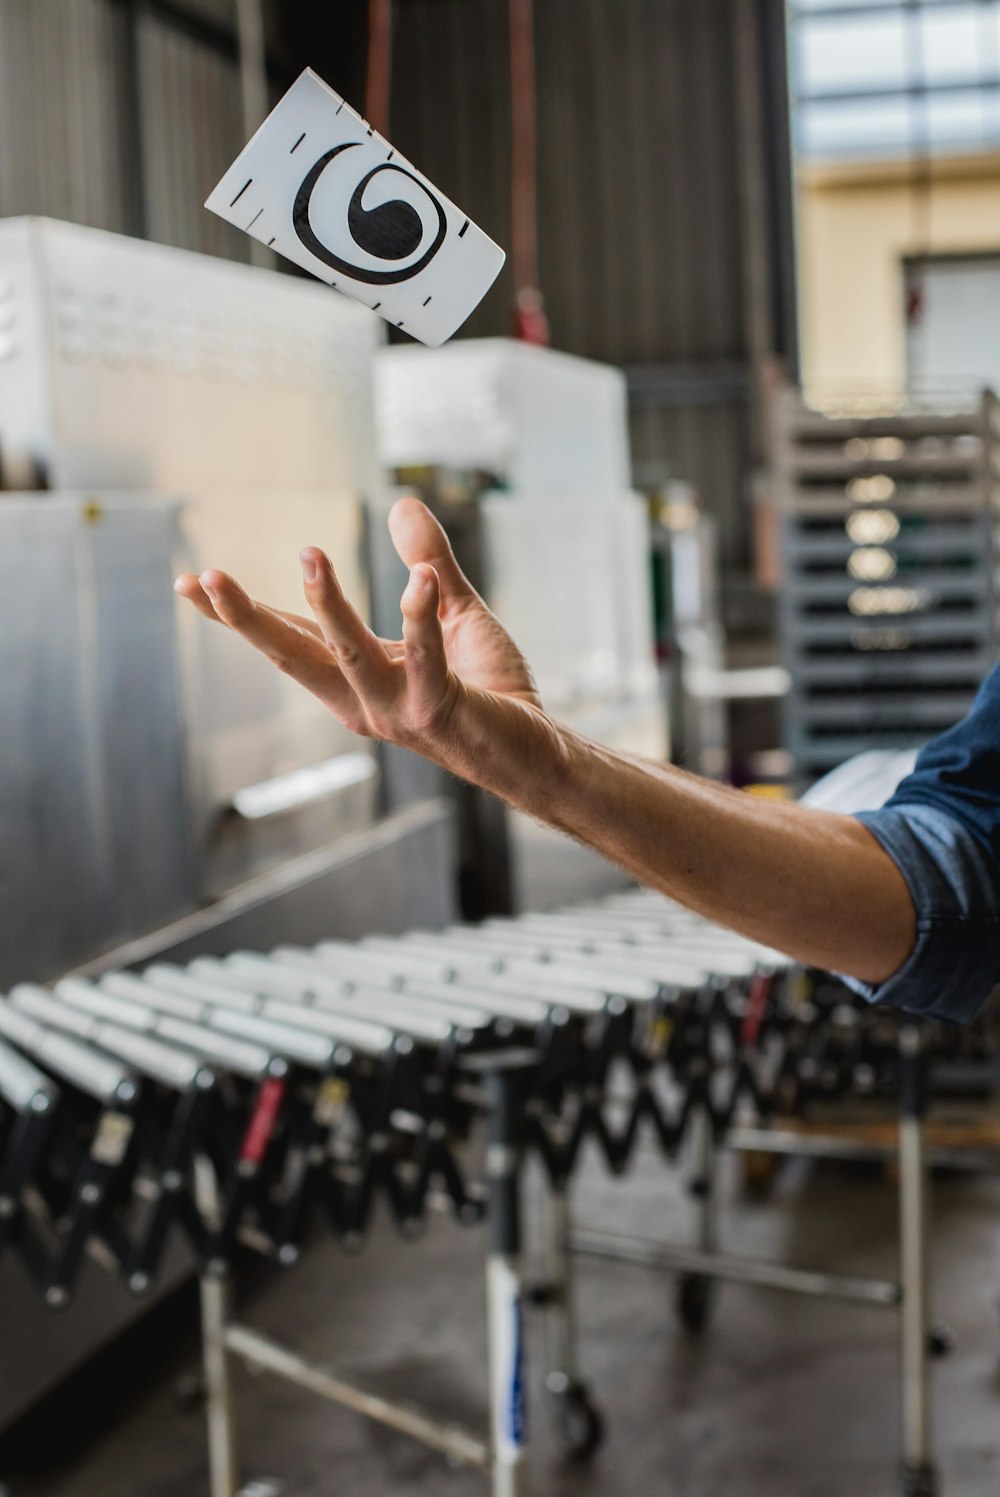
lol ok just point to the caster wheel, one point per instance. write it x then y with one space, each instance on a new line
758 1173
581 1428
694 1301
918 1481
189 1393
940 1341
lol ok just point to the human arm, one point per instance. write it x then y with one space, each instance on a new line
455 688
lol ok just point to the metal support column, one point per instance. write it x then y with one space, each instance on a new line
214 1289
704 1185
694 1290
580 1425
218 1386
561 1375
918 1476
504 1291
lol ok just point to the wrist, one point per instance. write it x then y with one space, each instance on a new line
507 746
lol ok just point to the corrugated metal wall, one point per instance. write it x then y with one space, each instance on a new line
113 115
123 113
642 204
192 127
62 110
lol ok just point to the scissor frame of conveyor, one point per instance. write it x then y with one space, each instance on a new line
308 1082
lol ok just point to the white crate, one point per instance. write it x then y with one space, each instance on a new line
125 364
541 422
570 579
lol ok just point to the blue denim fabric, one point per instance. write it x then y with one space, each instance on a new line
942 828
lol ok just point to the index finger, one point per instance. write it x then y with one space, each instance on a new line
189 586
285 644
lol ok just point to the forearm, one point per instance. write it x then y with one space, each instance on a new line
810 883
456 689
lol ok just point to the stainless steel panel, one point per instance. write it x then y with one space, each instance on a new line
389 877
247 395
94 839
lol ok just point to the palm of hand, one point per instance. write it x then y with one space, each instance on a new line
482 654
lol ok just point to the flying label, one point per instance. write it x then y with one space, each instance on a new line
318 185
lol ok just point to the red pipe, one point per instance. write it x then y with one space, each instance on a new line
378 82
530 322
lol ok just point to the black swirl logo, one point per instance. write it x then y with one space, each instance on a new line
393 228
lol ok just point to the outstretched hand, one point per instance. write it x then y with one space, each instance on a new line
404 691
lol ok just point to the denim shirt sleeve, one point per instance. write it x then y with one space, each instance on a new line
955 961
942 828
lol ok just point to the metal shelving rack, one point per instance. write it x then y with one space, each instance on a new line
890 545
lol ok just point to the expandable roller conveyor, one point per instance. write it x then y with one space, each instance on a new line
244 1100
317 1079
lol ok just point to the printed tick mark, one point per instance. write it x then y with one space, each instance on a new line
297 143
428 301
254 219
461 232
240 193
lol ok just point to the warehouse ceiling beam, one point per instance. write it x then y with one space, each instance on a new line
857 8
679 385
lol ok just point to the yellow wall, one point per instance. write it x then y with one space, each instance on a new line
856 225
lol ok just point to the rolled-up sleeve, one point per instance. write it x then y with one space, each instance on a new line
955 962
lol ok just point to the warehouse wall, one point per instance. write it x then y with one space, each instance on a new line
657 250
859 223
664 176
120 115
62 109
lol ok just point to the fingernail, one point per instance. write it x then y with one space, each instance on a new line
206 581
309 568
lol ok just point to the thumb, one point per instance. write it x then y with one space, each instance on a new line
419 537
425 660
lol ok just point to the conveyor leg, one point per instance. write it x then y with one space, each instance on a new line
218 1385
919 1477
504 1295
560 1329
214 1290
694 1290
705 1182
580 1424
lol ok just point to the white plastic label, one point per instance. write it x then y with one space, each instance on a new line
319 186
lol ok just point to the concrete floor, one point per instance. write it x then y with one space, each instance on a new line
782 1397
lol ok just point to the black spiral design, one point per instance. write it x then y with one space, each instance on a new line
390 232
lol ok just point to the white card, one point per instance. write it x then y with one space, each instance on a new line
319 186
